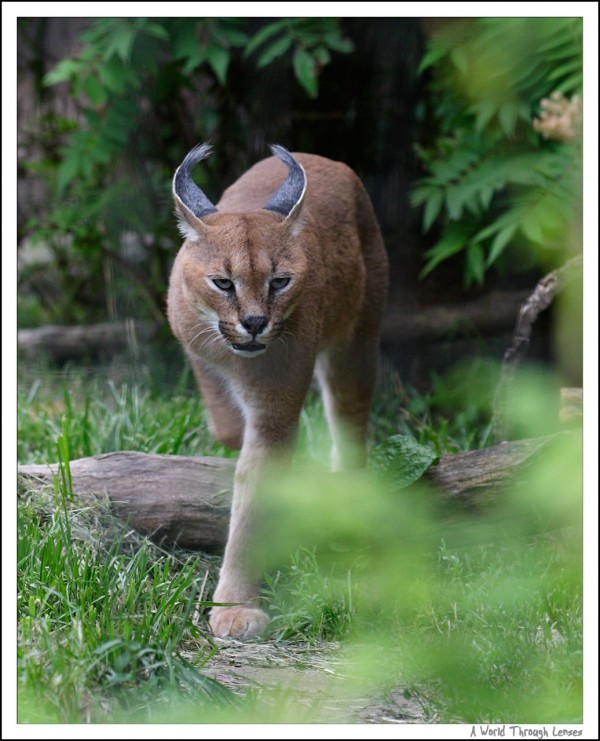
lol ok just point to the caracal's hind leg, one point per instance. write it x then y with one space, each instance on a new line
225 419
347 374
347 370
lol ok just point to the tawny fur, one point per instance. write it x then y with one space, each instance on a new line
325 320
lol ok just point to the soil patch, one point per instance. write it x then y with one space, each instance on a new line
313 682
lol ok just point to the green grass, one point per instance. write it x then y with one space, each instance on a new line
480 617
452 416
308 603
102 615
507 621
102 416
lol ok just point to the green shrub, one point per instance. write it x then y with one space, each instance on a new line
503 170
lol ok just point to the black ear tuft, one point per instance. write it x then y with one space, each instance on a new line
185 189
288 197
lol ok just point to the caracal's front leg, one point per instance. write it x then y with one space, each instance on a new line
241 573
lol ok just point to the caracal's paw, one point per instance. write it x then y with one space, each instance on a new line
238 622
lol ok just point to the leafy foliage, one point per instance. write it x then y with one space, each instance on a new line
312 41
452 417
492 181
401 459
108 166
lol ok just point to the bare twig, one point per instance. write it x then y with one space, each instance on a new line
538 301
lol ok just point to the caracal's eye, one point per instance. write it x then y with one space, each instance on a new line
224 284
278 283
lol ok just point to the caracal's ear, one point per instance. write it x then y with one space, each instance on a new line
191 205
287 199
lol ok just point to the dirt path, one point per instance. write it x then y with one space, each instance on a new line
307 684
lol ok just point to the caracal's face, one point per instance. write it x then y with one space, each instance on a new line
242 278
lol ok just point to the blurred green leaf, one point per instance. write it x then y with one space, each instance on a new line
335 41
218 58
68 170
543 219
156 30
563 70
322 55
500 241
453 241
459 59
65 70
234 36
186 43
484 110
507 116
433 55
432 208
305 68
401 459
274 50
475 264
94 90
121 42
115 76
262 35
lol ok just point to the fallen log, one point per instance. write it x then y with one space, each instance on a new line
491 314
184 500
170 498
62 344
471 478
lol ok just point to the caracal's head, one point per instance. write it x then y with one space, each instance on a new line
242 273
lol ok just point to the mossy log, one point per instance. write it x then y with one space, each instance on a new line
184 500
